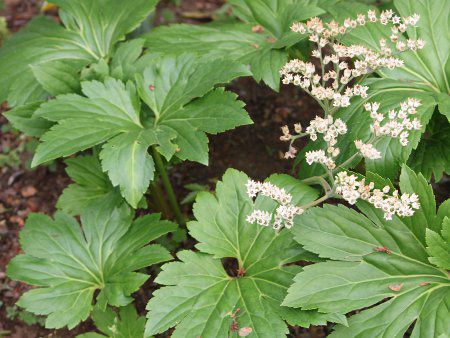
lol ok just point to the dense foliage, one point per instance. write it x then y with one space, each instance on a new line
127 109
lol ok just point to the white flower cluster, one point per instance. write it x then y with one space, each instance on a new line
352 189
398 123
330 129
332 83
302 74
284 213
288 137
367 150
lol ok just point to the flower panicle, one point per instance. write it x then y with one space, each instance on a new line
353 189
284 213
333 84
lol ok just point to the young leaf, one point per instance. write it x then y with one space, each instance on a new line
69 263
91 186
183 101
180 93
260 41
124 324
202 299
128 60
374 261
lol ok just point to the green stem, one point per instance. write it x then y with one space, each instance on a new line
317 202
168 187
158 197
318 180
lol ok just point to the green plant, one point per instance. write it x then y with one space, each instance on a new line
399 267
69 264
203 298
128 113
260 38
124 323
425 75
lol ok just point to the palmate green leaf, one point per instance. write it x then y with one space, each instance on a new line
180 92
91 186
390 94
400 285
265 51
200 296
92 27
69 264
109 112
125 323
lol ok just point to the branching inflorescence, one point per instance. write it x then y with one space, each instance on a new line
333 85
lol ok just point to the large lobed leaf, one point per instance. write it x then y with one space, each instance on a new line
199 296
45 49
180 93
69 264
260 41
377 263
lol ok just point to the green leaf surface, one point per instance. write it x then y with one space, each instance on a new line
22 118
102 23
264 49
379 264
180 93
125 323
41 41
439 246
91 186
431 156
90 31
69 264
184 101
199 295
58 77
129 165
